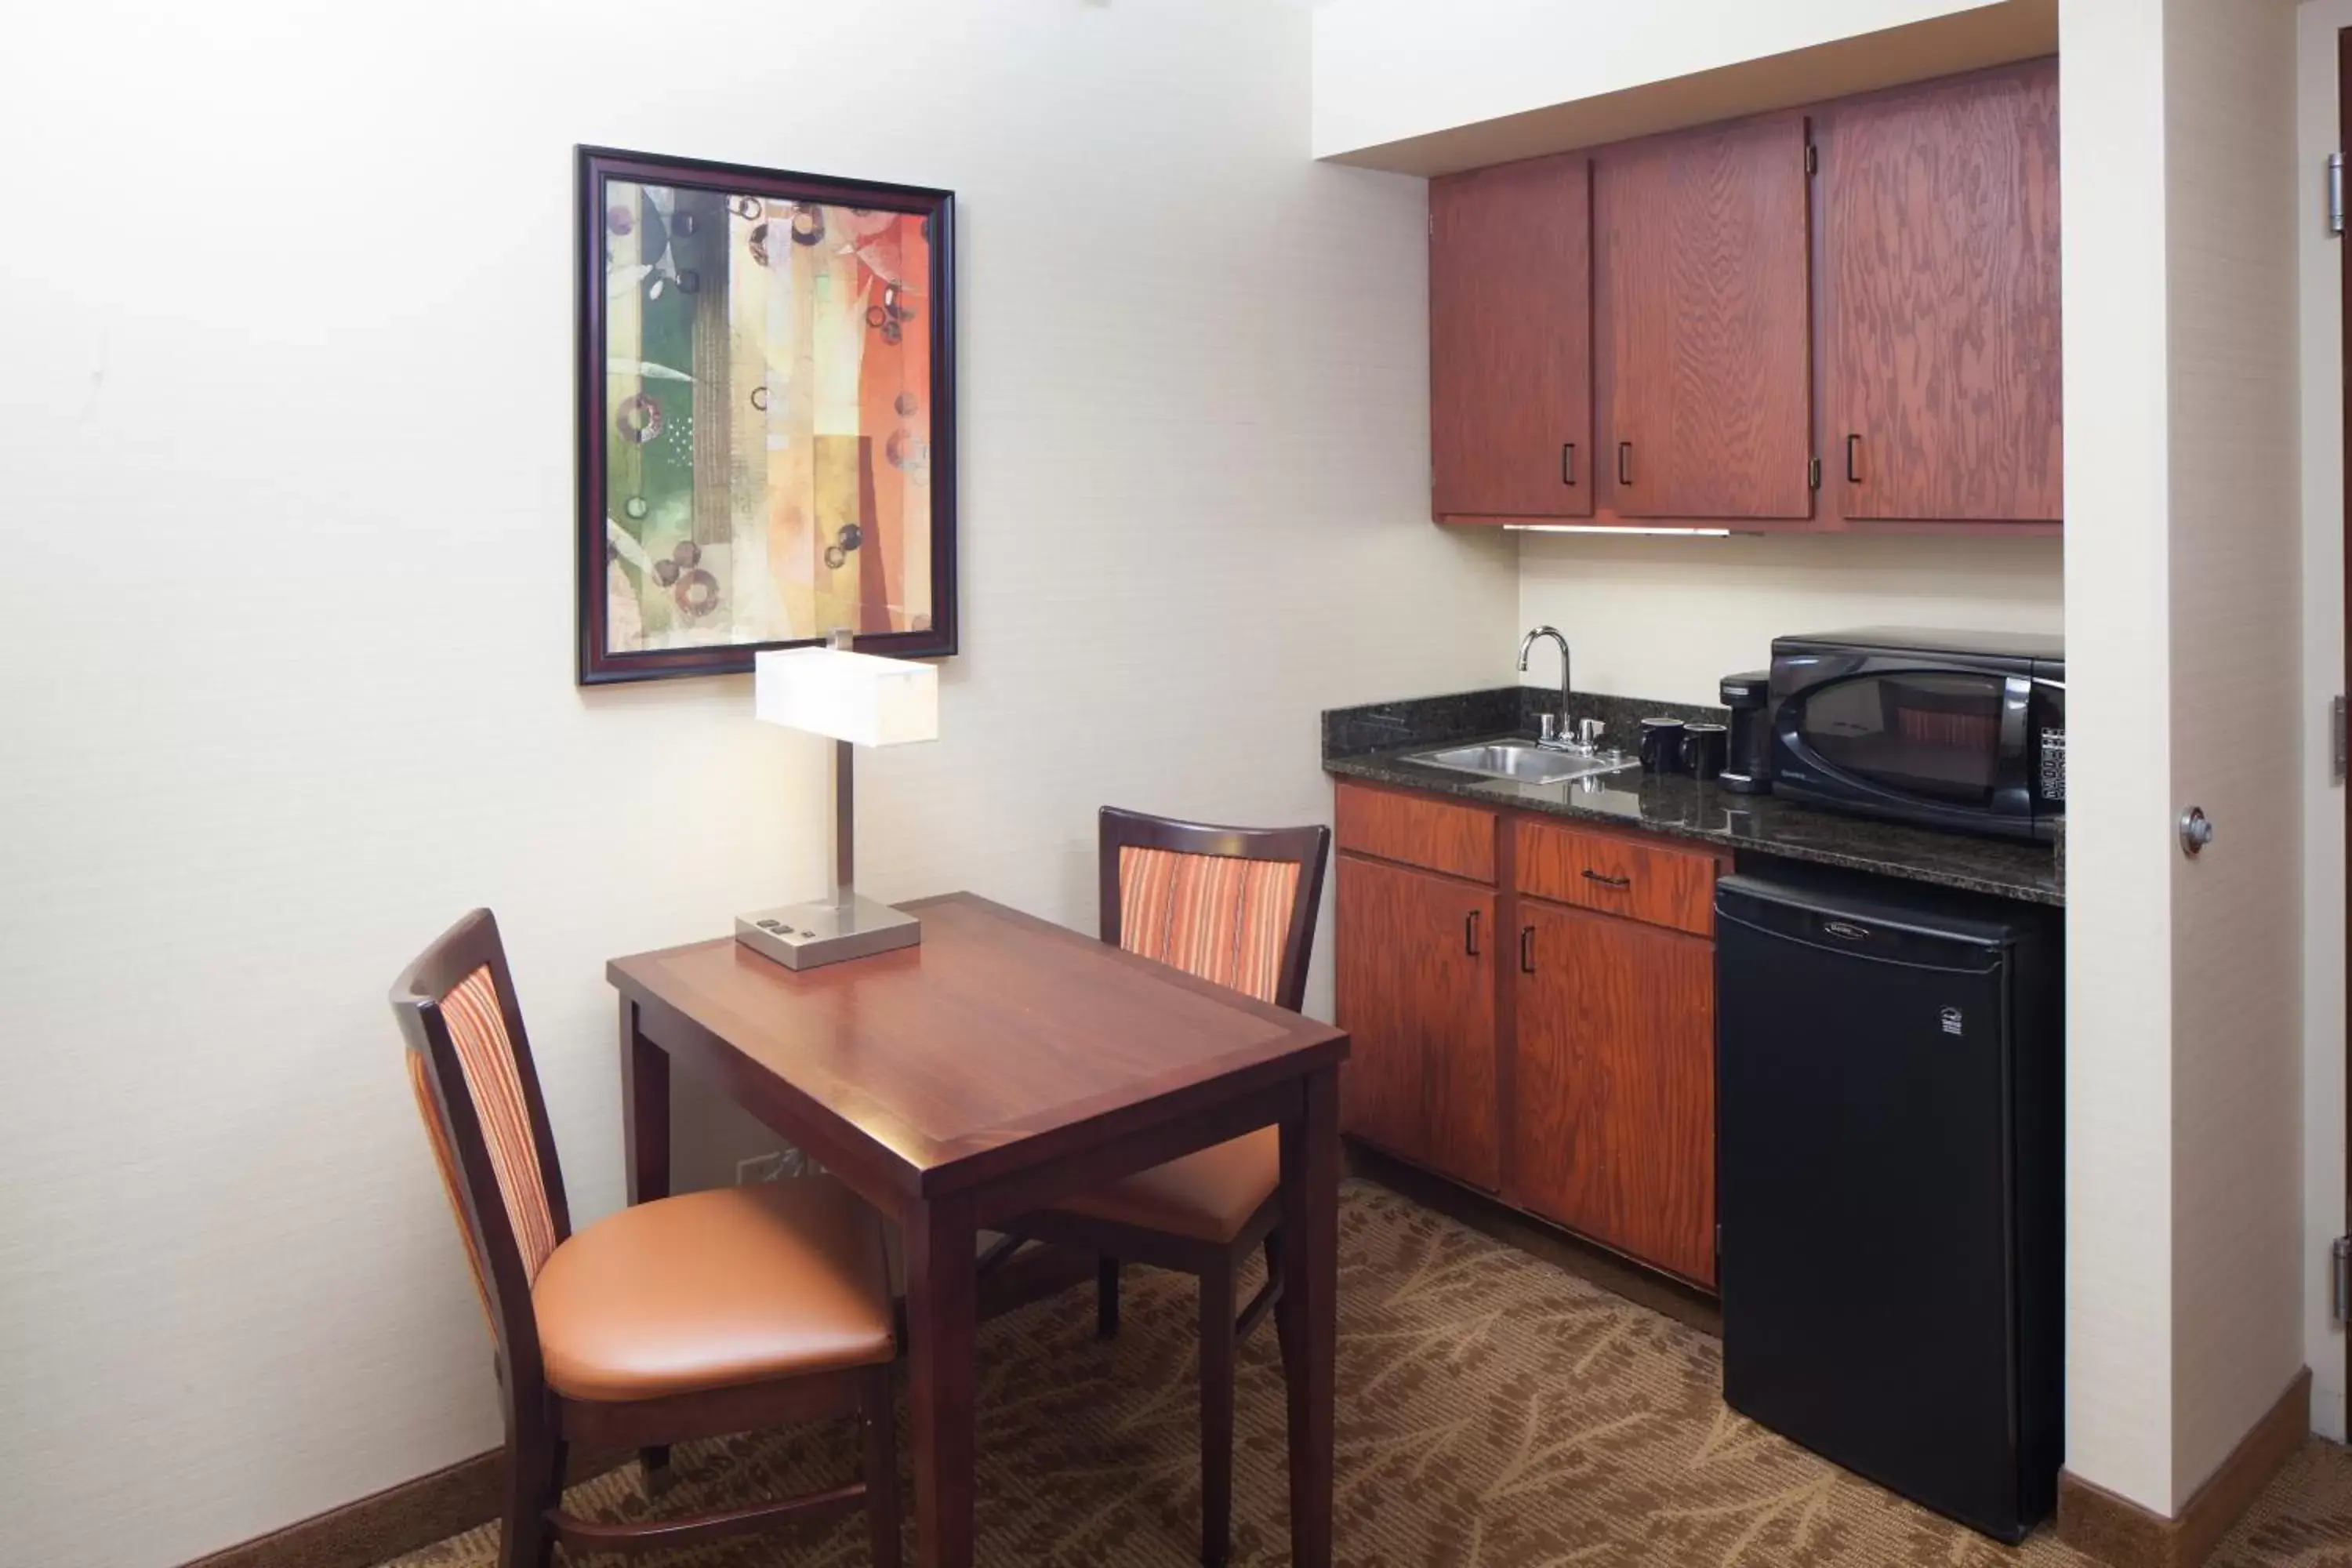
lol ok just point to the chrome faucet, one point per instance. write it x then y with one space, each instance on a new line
1555 730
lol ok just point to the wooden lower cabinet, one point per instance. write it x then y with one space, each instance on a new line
1532 1002
1612 1113
1415 991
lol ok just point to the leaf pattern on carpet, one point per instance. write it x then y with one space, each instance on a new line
1493 1412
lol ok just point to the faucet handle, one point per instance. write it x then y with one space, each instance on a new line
1589 731
1549 730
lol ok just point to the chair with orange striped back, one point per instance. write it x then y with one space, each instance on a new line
683 1318
1235 905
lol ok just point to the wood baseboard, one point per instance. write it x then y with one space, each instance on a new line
2117 1530
398 1520
456 1498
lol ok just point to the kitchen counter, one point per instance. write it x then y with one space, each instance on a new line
1370 744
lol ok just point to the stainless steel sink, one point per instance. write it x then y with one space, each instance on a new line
1521 762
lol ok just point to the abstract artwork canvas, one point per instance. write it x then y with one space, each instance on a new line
766 416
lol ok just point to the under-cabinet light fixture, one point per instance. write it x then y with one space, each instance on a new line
1605 528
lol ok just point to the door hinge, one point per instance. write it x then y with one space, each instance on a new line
1812 159
2340 723
2335 193
1813 473
1432 226
2339 1257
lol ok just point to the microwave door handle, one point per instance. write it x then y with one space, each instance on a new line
2012 793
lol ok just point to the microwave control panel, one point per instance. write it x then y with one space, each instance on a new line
2054 766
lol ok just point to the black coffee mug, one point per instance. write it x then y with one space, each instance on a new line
1705 748
1661 746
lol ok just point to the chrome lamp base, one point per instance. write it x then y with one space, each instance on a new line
805 936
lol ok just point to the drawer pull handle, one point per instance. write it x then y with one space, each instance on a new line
1625 462
1568 462
1853 459
1527 950
1592 875
1470 933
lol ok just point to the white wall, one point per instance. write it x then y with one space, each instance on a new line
2322 332
1668 618
287 428
1409 85
2184 1278
2119 846
2238 722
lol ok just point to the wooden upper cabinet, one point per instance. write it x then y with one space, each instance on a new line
1510 335
1940 253
1703 290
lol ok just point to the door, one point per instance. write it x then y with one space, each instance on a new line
1703 302
1940 243
1510 340
1895 733
2344 133
1614 1100
1416 993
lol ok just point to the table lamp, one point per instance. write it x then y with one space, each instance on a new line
855 699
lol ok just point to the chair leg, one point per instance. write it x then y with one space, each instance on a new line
1216 1414
1281 1317
1106 1298
879 1415
534 1486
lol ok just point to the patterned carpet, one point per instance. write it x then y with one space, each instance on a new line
1493 1413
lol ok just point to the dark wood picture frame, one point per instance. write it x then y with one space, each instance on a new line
593 166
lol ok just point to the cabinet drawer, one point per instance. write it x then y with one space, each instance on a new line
1641 881
1415 830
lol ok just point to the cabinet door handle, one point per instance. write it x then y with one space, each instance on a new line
1592 875
1527 950
1625 462
1853 459
1568 462
1470 933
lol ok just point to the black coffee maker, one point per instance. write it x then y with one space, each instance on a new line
1749 769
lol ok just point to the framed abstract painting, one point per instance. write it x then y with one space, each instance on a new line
767 415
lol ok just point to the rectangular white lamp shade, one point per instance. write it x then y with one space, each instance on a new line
853 697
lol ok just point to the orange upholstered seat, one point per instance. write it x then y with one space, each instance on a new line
710 1289
1210 1195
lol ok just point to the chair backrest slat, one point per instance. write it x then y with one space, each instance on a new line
494 1083
1235 906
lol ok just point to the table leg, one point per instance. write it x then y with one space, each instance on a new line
941 1241
1310 1282
645 1110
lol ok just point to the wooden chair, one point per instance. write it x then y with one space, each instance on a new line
690 1317
1236 906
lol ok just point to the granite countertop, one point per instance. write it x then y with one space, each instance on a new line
1370 744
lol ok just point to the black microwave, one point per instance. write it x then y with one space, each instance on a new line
1954 730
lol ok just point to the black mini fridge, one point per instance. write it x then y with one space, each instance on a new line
1889 1181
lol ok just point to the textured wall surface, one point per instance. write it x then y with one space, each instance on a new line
2184 662
1387 69
288 433
2120 847
2321 329
1668 618
2238 720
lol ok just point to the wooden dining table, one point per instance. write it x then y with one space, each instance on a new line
1002 1064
